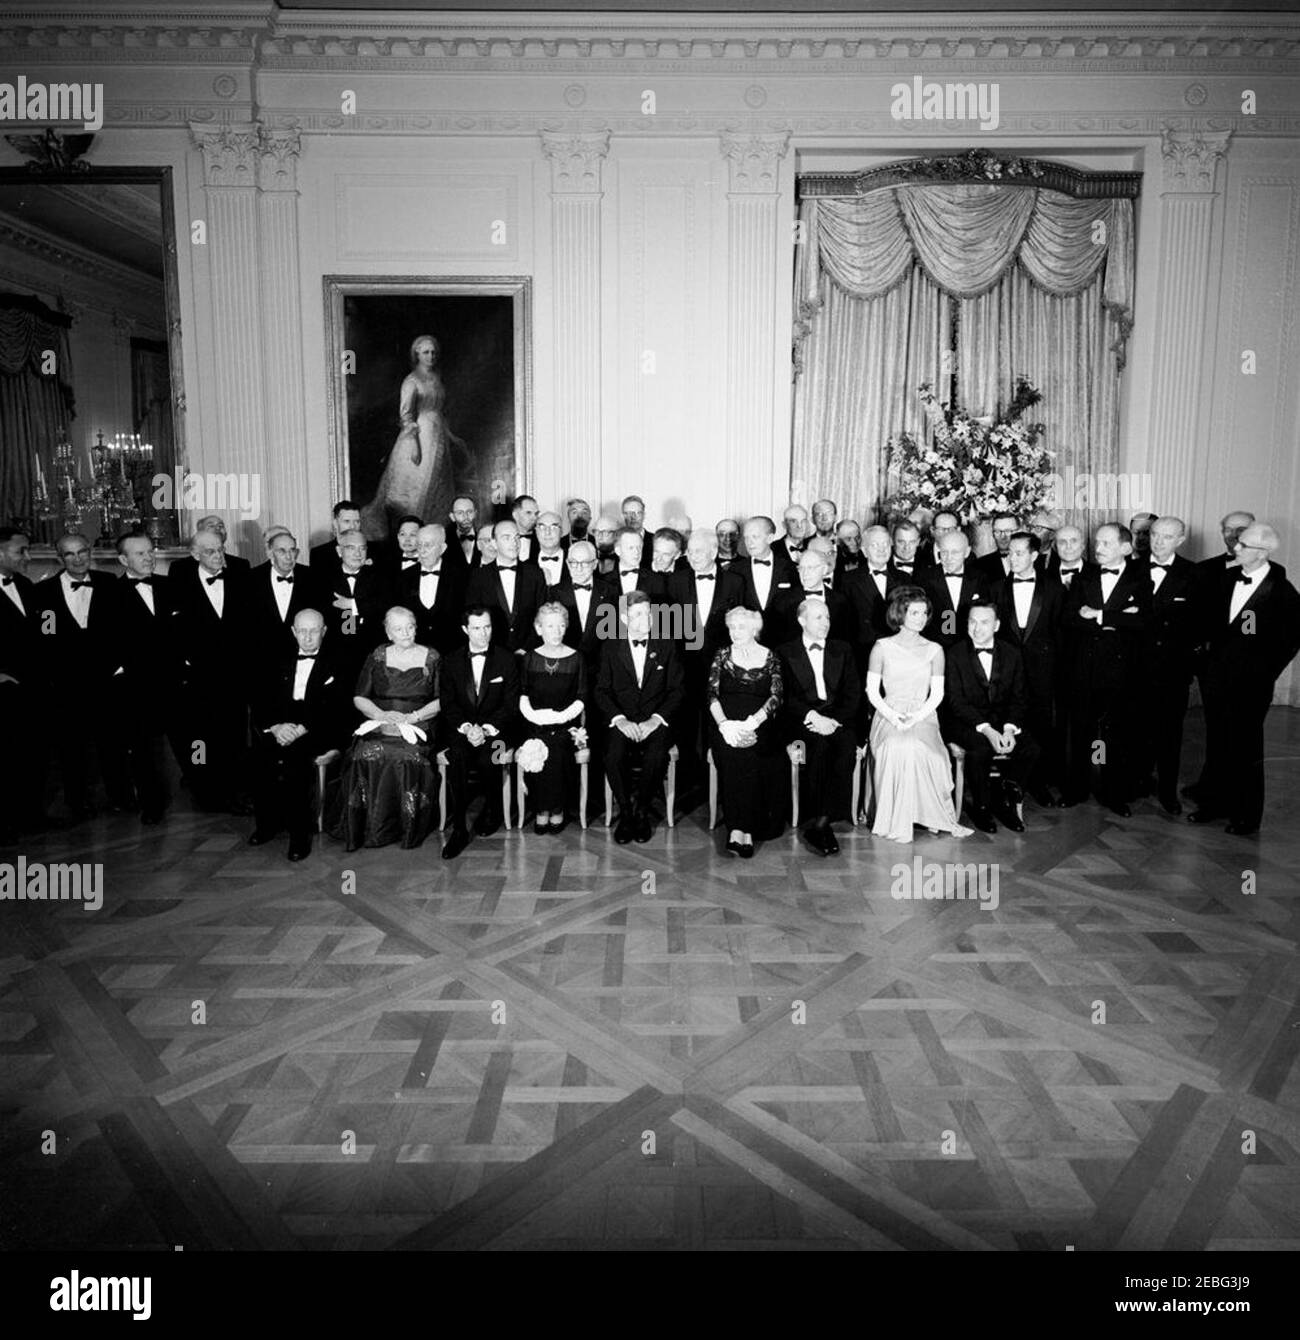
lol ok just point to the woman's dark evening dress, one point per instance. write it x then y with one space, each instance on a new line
554 683
389 789
750 780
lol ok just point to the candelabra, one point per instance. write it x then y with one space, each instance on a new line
122 469
70 499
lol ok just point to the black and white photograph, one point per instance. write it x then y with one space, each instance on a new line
649 629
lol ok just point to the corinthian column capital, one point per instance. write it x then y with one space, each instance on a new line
1191 159
229 154
754 161
575 161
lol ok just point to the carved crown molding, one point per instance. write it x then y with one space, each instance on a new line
1191 159
575 161
754 161
69 257
249 154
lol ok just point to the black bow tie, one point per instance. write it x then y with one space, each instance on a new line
904 567
1245 577
628 572
766 562
1073 569
507 567
85 581
136 581
430 572
6 581
1030 580
814 646
409 562
287 580
582 586
220 577
1110 572
1155 563
307 655
705 576
880 572
984 651
639 641
476 653
549 558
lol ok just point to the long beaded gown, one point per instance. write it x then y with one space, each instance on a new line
750 788
554 683
913 776
388 791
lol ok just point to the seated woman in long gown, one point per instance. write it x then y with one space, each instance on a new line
745 696
389 786
913 775
553 690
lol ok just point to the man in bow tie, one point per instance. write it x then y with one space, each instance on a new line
345 517
953 587
550 554
603 535
813 584
984 686
1067 559
578 511
151 672
511 591
301 709
181 568
633 509
1167 662
22 782
525 513
1250 633
630 574
213 605
798 529
82 671
868 588
639 691
479 691
359 598
727 534
766 571
907 558
848 545
667 547
435 591
278 589
825 515
403 556
462 538
997 564
1107 611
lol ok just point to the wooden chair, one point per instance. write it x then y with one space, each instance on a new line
508 759
322 767
670 792
795 752
959 780
582 757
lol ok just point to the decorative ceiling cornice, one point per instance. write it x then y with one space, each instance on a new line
70 257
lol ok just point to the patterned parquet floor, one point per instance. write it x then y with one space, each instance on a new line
561 1043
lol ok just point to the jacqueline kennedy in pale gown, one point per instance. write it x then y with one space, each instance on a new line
913 776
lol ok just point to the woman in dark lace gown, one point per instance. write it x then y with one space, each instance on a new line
388 791
745 697
553 688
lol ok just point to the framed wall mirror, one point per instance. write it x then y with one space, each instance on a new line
91 395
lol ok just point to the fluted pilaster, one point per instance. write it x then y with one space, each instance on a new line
753 273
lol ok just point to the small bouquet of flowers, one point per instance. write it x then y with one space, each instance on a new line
579 736
532 755
975 467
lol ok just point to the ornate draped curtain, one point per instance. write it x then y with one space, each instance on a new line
36 399
1034 282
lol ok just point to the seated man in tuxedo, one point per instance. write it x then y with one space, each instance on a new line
639 691
434 590
822 695
1166 666
151 672
814 584
984 687
278 589
479 690
954 588
1030 606
1105 621
359 598
22 781
345 516
1250 633
997 564
550 554
82 673
510 590
301 704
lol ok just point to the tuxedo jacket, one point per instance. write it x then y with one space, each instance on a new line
1246 656
728 594
187 565
559 565
973 699
1106 656
1209 570
869 607
528 545
1171 635
496 703
661 691
214 649
326 710
991 566
846 561
921 564
1050 564
396 564
785 578
843 684
783 616
149 644
585 638
20 635
440 625
374 598
654 584
512 628
947 625
69 653
268 631
784 548
1039 641
324 559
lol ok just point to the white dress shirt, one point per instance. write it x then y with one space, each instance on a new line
704 593
1109 581
552 566
300 677
1022 593
145 591
1242 591
1159 571
429 579
78 600
638 658
10 588
954 588
215 591
762 573
283 593
507 576
628 579
1068 574
816 650
582 603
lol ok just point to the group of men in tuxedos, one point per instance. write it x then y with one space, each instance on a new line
1067 672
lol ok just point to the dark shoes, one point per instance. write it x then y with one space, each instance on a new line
457 841
1116 806
1202 817
1242 830
820 838
1170 803
300 848
261 836
981 818
625 830
487 823
644 822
